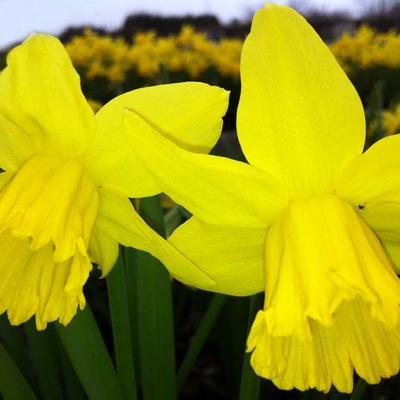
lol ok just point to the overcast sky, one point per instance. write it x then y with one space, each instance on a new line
18 18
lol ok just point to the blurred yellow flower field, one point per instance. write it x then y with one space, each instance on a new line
193 52
367 48
189 52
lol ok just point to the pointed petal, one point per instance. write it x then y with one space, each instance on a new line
232 256
118 220
215 189
299 117
103 251
16 146
371 182
189 114
41 98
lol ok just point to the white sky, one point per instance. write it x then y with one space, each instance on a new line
18 18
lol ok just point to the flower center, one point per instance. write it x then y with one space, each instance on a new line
319 253
47 213
50 201
326 275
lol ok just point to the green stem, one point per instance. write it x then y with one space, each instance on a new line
72 385
87 351
14 341
131 282
12 383
359 390
250 382
43 346
118 299
197 343
154 314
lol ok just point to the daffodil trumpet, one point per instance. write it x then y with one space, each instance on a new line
310 220
68 176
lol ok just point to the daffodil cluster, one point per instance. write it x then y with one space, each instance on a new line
367 48
384 122
391 120
190 53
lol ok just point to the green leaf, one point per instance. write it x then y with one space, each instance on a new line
199 339
72 385
12 383
131 283
118 300
231 333
172 219
87 351
153 313
250 382
15 343
46 360
359 390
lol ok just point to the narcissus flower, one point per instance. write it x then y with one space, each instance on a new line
311 221
68 175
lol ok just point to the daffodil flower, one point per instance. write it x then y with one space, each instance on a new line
310 220
68 175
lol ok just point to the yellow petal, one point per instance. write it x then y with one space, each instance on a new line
355 341
331 300
320 253
5 177
215 189
232 256
393 251
371 182
47 211
375 350
16 146
50 200
118 220
103 251
33 284
299 117
41 99
189 114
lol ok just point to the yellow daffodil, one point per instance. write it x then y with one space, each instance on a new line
391 120
68 175
367 48
189 52
311 221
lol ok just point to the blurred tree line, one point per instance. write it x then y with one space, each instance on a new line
381 15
